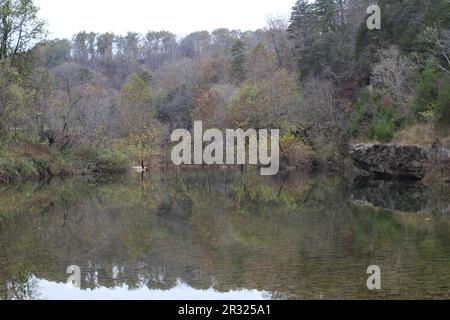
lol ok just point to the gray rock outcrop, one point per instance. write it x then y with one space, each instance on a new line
401 161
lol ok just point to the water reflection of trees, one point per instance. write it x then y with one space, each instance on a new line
294 236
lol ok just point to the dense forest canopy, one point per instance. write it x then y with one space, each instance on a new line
321 77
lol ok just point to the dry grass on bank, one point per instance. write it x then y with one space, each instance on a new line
418 134
423 135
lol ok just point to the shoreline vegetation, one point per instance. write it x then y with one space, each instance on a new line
39 162
101 104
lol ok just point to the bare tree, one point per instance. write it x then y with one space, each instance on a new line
394 74
280 42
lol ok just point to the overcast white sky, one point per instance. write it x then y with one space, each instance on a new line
67 17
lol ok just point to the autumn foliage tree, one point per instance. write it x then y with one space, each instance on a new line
138 115
268 99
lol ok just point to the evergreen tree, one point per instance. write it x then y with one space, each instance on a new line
325 12
238 60
299 16
301 30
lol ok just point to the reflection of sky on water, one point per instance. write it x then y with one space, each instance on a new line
47 290
295 237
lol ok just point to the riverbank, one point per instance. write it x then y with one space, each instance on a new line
24 162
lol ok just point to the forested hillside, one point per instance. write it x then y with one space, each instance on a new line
97 103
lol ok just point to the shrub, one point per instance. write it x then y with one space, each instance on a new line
433 95
330 152
427 90
111 160
374 117
14 167
294 151
362 112
442 104
383 126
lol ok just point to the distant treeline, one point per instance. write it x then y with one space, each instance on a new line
321 77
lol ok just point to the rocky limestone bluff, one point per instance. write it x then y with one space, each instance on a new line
400 161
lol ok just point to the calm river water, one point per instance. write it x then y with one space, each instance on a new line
222 234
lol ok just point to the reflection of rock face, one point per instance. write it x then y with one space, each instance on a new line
409 196
292 236
391 160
